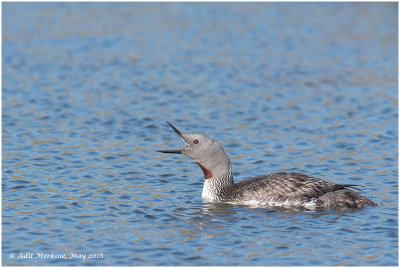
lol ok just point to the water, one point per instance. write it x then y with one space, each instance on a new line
87 88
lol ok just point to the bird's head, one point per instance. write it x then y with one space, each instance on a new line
205 151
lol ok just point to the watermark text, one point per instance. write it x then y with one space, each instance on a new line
56 255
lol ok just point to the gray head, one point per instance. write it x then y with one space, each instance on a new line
206 152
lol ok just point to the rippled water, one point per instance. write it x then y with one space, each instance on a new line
87 88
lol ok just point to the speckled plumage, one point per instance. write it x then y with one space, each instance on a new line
292 189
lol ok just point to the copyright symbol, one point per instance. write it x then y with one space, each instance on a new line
12 255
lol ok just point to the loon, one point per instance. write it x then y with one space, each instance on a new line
277 189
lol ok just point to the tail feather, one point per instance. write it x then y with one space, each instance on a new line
345 186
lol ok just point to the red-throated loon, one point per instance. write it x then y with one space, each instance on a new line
277 189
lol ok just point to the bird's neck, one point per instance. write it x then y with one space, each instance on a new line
215 187
215 166
218 177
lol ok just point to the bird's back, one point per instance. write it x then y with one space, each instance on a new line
295 189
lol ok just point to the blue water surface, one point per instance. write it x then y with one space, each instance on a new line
87 88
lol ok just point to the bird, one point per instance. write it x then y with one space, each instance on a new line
284 189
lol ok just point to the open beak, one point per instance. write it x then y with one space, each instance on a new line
180 135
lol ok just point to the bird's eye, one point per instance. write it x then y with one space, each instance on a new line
196 141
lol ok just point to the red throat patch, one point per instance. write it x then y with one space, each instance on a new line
207 173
